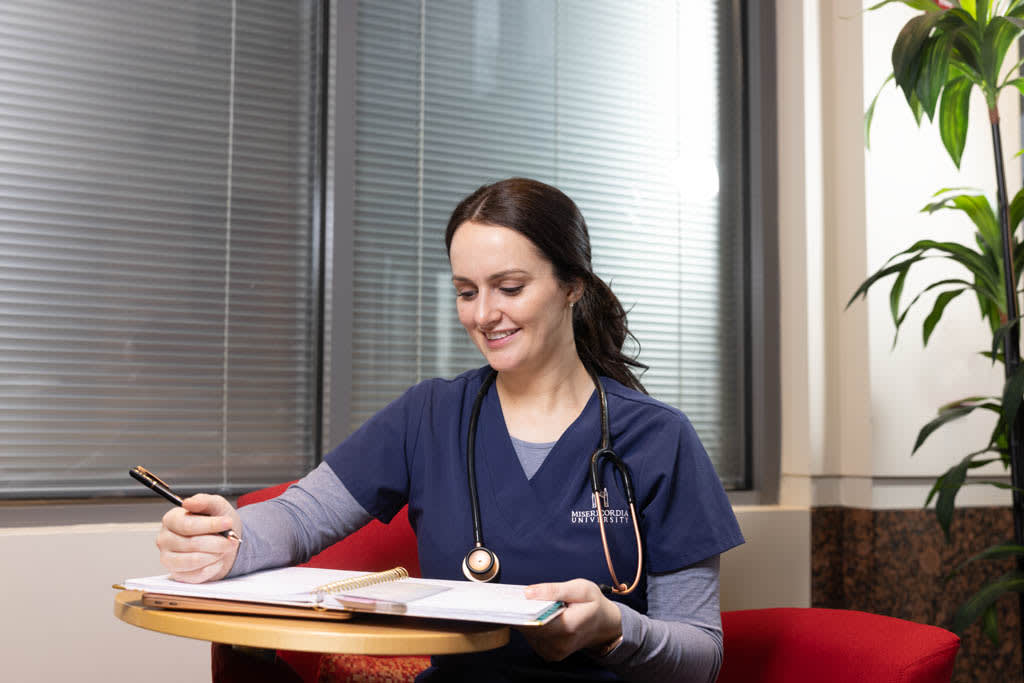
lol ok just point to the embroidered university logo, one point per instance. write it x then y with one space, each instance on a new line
617 516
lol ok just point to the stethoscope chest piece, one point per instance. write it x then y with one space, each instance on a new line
481 565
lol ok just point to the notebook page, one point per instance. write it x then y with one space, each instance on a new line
285 585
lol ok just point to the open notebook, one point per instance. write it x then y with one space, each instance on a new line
309 591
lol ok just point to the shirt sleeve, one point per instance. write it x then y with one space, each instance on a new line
375 461
685 512
310 515
681 637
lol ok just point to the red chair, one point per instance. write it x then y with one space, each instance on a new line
793 644
781 645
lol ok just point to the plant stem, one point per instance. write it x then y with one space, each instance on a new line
1011 354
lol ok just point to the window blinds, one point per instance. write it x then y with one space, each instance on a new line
615 103
157 165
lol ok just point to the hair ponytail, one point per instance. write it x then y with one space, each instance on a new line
599 327
551 221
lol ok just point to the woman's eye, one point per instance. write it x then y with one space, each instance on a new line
465 294
512 290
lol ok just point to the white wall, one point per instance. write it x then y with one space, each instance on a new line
58 622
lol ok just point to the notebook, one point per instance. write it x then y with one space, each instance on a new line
316 592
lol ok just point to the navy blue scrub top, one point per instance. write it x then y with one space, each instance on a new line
544 528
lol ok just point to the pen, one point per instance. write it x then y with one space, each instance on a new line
147 478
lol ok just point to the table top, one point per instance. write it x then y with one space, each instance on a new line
368 634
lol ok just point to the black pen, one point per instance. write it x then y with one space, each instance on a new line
147 478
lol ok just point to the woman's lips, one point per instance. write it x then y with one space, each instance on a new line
500 341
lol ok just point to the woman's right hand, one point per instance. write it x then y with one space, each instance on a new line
190 543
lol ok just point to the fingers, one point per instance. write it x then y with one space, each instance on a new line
206 504
216 569
190 543
202 514
577 590
589 619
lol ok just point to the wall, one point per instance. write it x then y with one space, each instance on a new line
58 621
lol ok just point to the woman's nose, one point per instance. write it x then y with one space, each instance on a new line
486 312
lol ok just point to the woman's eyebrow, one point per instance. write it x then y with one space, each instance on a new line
495 276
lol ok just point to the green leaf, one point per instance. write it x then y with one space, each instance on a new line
953 115
870 113
895 293
981 13
907 57
1000 551
977 604
998 484
990 624
1000 336
920 5
1012 391
934 69
952 481
940 482
987 274
941 301
999 35
981 214
941 283
885 271
969 7
945 416
1016 209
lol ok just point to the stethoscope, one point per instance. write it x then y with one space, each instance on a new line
481 564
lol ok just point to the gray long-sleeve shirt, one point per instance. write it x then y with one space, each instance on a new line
679 639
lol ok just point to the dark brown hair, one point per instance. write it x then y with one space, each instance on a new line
553 223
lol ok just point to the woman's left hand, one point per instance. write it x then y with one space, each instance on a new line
590 620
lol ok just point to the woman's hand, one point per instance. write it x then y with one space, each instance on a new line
190 543
590 620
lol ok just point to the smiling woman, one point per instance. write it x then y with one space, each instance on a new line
622 480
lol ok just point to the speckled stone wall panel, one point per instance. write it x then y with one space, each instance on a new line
895 562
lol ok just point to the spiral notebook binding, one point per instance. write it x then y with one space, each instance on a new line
359 582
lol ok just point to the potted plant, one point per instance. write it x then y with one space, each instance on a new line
940 57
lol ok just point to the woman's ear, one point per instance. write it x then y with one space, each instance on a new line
576 290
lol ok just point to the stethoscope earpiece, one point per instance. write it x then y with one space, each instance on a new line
480 565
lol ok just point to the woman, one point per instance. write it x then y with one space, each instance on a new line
529 300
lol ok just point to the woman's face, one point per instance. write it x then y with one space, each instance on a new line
508 298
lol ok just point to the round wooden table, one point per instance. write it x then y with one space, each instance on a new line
366 634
